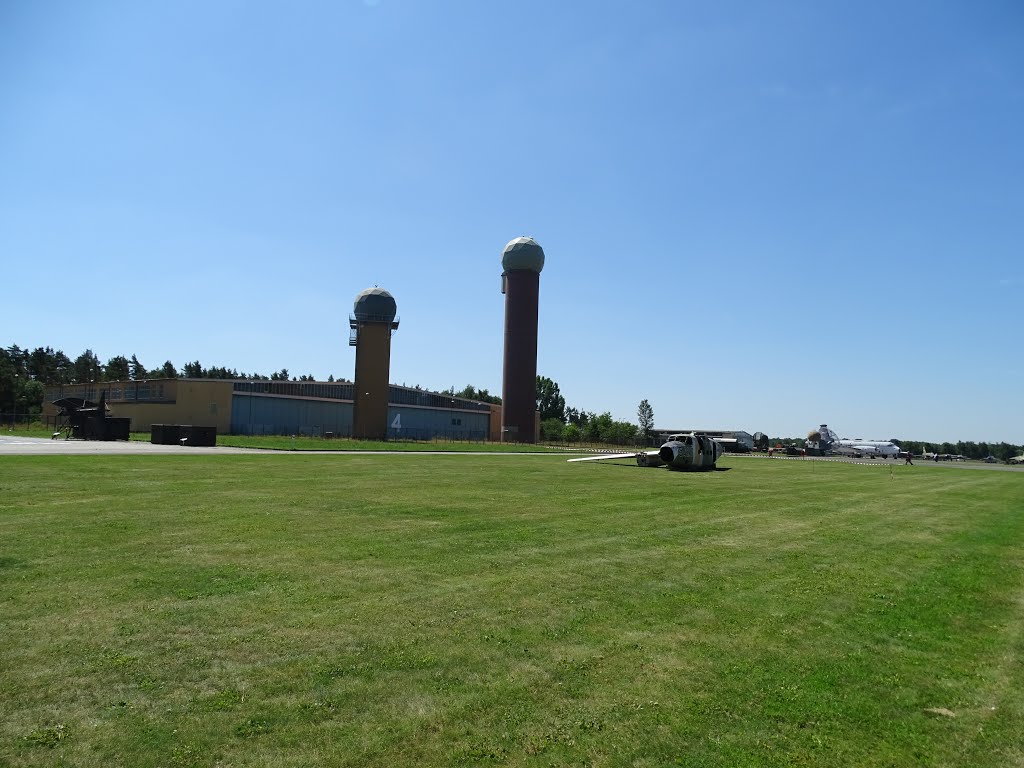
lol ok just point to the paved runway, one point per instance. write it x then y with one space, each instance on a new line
40 446
884 462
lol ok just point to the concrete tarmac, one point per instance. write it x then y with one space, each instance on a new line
11 445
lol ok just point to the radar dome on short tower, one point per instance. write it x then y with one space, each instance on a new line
523 253
370 327
375 304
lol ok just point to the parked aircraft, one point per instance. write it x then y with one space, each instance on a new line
680 452
870 448
827 440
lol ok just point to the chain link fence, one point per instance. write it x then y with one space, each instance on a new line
26 422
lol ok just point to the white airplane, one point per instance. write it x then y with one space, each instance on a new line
885 449
690 451
856 447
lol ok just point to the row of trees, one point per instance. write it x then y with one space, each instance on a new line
469 392
562 423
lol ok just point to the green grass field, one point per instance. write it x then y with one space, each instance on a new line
497 610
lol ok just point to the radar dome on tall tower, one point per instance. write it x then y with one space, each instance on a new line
375 305
523 253
521 263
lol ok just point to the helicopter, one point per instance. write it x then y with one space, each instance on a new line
685 452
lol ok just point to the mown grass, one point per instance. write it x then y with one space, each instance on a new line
403 610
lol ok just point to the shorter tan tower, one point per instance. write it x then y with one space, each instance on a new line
372 322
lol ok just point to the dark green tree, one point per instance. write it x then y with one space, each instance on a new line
645 420
118 368
550 402
167 370
86 368
46 366
136 370
552 430
20 392
472 393
30 397
9 383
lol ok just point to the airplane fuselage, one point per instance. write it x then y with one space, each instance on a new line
683 452
872 448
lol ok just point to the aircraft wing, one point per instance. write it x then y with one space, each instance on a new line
607 456
724 439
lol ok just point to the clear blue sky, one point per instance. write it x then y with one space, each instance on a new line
756 215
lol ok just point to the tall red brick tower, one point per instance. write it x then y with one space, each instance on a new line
522 261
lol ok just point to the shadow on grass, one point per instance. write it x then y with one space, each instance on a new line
630 464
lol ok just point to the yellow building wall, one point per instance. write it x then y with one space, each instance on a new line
145 415
198 403
203 404
495 425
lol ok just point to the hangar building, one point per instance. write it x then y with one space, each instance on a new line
315 408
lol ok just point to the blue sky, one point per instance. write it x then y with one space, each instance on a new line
761 216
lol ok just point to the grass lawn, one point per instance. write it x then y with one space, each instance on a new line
507 610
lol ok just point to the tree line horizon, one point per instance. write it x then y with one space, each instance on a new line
24 375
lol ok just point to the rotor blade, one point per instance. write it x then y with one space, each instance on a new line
607 456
